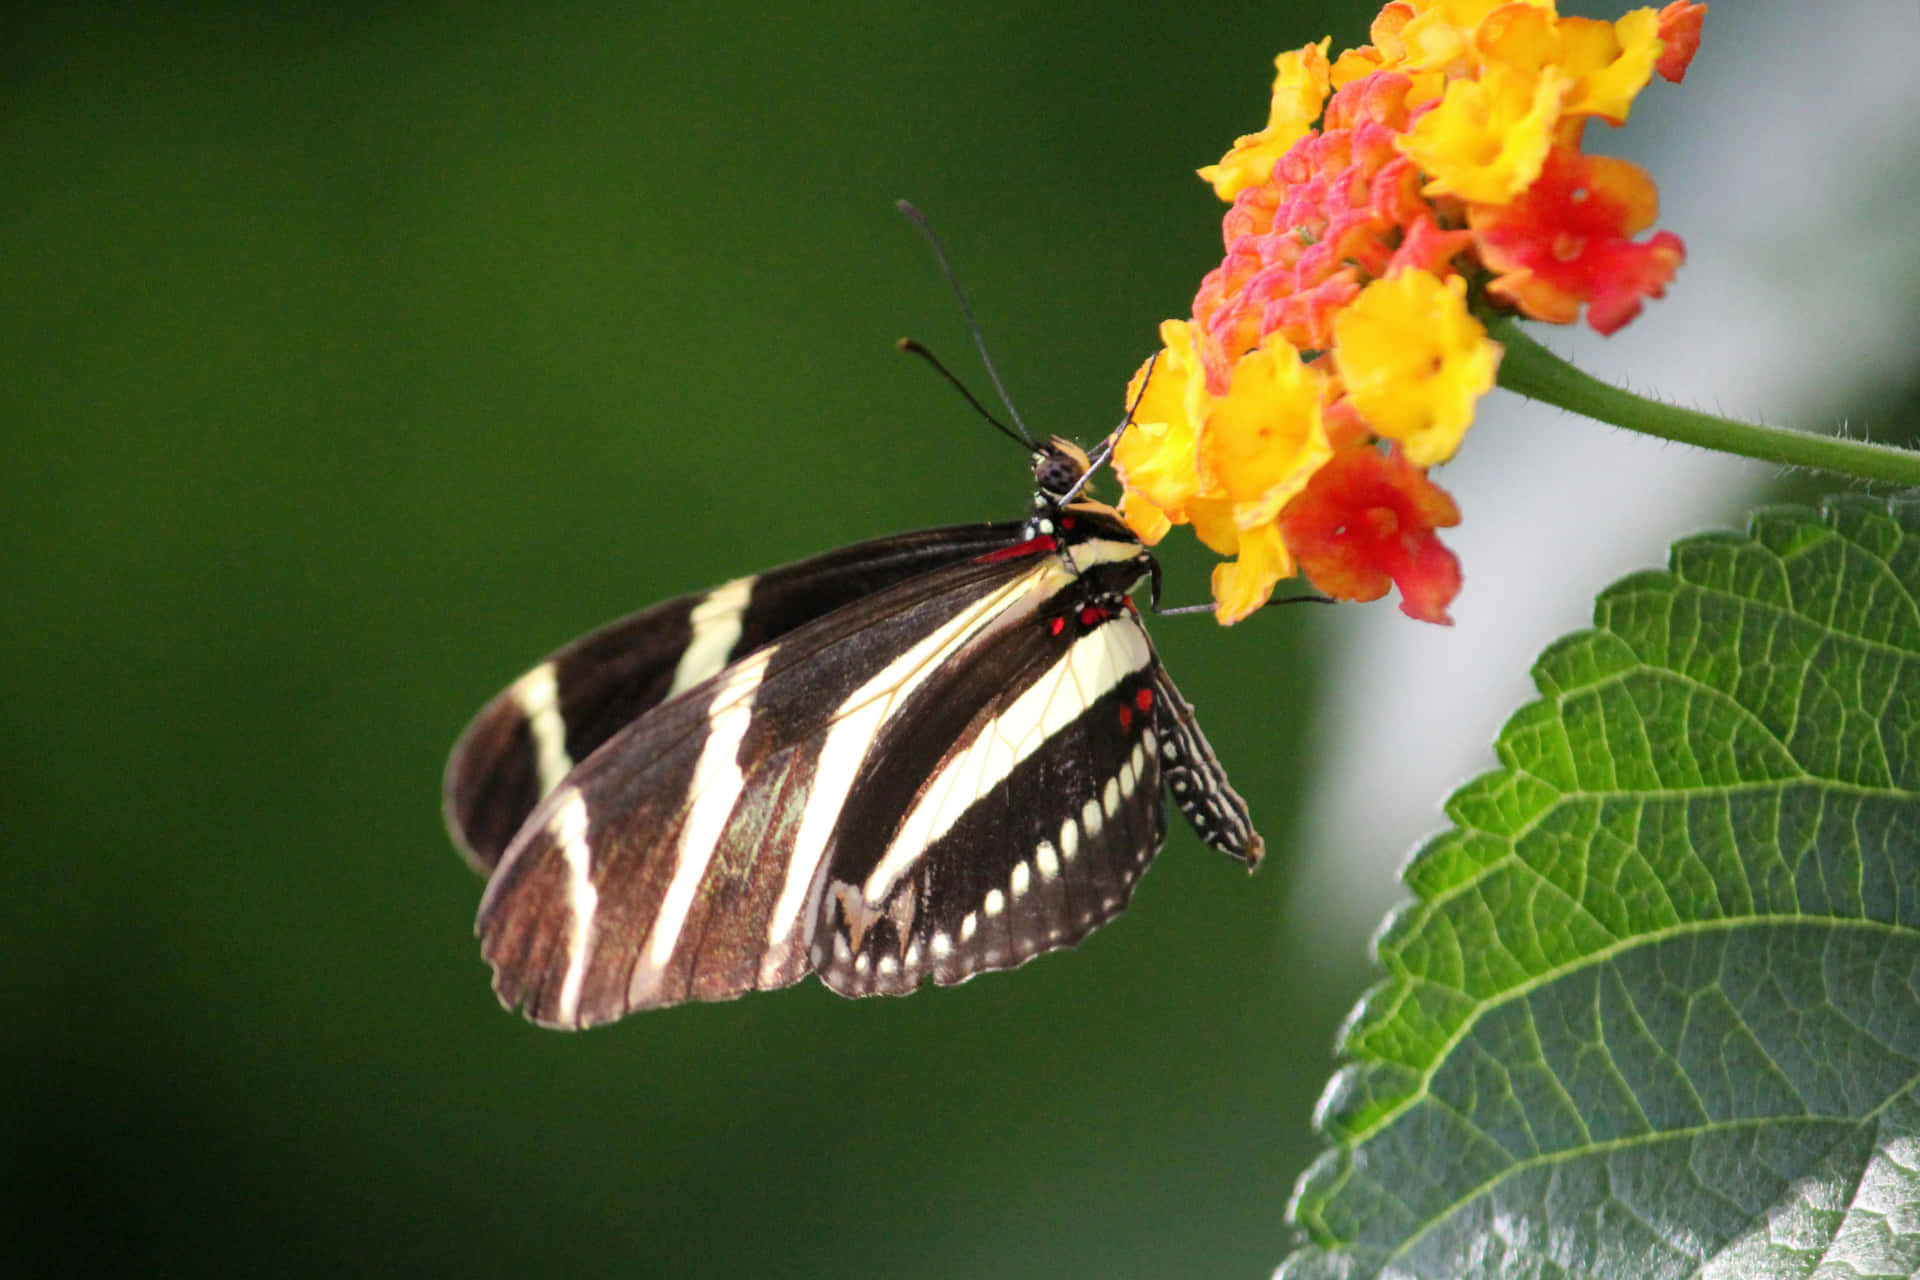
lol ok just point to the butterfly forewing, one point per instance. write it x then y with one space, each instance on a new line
683 858
524 742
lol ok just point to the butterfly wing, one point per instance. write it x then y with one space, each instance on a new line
1008 812
1034 823
684 857
1197 781
948 776
523 742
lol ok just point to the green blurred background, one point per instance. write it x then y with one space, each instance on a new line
352 357
357 356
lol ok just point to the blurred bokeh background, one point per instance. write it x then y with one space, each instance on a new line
352 356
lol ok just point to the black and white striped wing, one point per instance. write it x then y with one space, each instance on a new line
950 776
521 744
1198 783
1008 811
684 858
1034 826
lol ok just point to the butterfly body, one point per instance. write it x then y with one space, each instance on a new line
913 759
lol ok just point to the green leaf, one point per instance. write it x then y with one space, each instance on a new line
1655 1010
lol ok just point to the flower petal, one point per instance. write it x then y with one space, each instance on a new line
1415 361
1487 138
1264 438
1367 521
1569 240
1246 583
1679 38
1300 87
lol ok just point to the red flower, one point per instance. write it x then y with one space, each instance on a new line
1679 38
1367 521
1568 240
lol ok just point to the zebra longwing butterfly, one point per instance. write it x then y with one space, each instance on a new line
919 757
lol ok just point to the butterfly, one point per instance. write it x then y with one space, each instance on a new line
915 758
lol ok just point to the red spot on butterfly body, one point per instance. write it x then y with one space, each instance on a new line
1126 716
1144 699
1056 626
1092 614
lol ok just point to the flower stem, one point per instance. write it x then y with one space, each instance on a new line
1537 373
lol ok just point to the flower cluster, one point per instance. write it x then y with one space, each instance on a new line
1334 355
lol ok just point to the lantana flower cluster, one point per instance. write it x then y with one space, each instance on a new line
1335 355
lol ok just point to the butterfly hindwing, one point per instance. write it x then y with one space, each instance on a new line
1030 830
1197 781
524 741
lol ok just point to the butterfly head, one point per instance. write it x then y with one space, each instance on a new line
1060 470
1059 466
1089 536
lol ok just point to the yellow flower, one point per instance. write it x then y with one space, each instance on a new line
1440 36
1148 522
1264 438
1246 583
1414 361
1213 524
1178 392
1299 90
1609 62
1156 456
1356 64
1605 63
1223 462
1521 38
1487 139
1155 460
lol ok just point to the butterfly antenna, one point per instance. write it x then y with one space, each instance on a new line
914 348
1098 458
919 220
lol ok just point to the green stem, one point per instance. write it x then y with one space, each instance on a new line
1537 373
